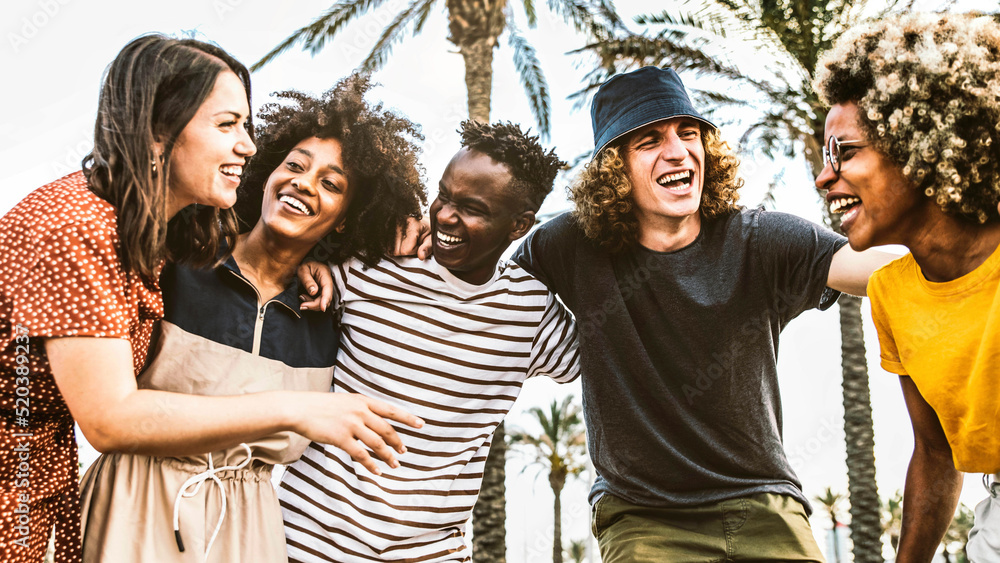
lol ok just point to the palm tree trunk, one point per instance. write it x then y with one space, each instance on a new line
478 57
859 435
489 516
836 539
557 482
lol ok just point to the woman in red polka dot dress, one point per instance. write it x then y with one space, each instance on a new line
79 293
79 260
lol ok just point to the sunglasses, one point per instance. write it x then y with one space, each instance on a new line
831 152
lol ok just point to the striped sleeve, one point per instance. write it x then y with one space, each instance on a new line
340 274
554 352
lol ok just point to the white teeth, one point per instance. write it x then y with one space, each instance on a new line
839 204
232 170
295 203
448 239
850 213
674 177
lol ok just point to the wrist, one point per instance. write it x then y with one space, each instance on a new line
288 411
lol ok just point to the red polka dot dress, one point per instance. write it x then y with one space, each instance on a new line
60 275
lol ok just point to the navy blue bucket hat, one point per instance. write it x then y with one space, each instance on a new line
635 99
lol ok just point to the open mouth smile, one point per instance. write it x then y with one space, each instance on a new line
844 204
448 240
296 205
232 171
675 182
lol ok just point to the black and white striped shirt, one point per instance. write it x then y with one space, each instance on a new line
455 355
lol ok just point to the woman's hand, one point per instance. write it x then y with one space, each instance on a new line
318 281
348 420
415 239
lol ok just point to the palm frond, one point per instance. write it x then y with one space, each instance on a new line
530 12
697 20
422 18
769 134
314 36
532 79
597 18
606 10
769 201
713 99
845 15
725 17
578 160
379 55
712 25
632 51
561 446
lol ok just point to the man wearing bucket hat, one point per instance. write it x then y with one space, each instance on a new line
679 296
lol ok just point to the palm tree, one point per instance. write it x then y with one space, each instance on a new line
561 448
833 503
892 518
577 550
711 37
958 533
475 27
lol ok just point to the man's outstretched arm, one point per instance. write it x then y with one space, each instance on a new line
850 270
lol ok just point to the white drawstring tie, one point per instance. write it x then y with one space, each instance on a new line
196 481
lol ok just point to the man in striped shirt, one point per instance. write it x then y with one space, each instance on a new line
450 340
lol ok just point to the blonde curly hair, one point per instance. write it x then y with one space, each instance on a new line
928 91
602 193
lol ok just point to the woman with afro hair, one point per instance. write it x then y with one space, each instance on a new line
337 177
912 157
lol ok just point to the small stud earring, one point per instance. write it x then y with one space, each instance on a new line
153 162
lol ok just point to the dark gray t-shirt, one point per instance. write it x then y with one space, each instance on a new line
679 351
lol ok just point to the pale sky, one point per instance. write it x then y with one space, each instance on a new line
54 53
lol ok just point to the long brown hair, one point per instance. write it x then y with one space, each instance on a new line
151 91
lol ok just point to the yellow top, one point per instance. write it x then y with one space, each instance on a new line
946 338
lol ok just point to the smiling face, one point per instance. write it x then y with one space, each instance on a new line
475 216
209 154
308 194
879 205
666 167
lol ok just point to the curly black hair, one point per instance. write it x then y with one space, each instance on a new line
533 169
380 158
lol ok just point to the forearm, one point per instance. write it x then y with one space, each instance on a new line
96 380
930 497
160 423
850 270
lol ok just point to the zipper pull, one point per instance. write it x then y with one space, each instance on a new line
261 315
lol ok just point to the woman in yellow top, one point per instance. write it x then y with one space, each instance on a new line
913 158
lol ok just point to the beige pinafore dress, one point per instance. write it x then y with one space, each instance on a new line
131 503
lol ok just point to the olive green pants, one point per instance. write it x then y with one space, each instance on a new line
762 527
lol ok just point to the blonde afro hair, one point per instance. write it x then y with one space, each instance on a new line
928 91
